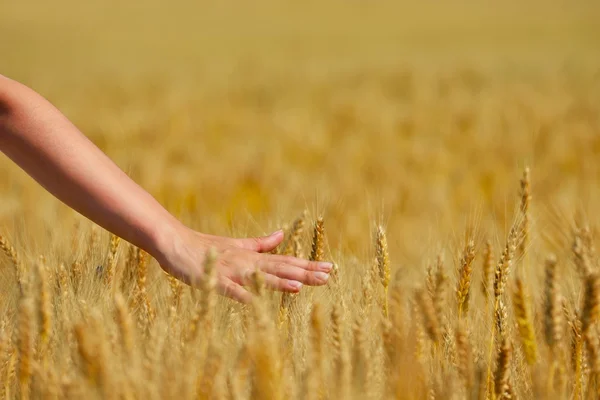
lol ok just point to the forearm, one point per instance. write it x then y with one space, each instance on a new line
42 141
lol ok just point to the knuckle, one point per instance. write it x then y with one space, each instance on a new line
280 283
272 282
279 268
312 265
309 277
238 243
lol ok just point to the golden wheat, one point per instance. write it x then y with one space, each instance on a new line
237 122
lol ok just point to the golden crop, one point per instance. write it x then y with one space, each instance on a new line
443 155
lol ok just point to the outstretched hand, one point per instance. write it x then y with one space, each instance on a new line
237 259
46 145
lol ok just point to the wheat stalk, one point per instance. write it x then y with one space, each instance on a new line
25 345
525 205
464 282
45 310
383 265
552 311
318 241
111 266
502 376
524 322
10 252
487 270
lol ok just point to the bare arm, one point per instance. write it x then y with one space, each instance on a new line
57 155
48 147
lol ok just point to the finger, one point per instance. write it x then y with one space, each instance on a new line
282 285
290 272
302 263
270 281
234 291
262 244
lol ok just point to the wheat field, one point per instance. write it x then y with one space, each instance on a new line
442 155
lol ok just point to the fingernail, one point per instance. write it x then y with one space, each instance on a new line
294 284
277 232
322 276
325 266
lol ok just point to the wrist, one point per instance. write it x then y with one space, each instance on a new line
165 239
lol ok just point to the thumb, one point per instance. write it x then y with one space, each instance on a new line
264 244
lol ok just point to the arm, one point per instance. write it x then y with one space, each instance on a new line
48 147
66 163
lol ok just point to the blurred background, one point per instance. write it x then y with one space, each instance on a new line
238 115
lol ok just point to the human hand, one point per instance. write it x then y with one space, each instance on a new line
237 259
45 144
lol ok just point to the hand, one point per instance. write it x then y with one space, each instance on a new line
237 259
45 144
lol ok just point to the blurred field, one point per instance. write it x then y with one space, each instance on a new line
237 116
